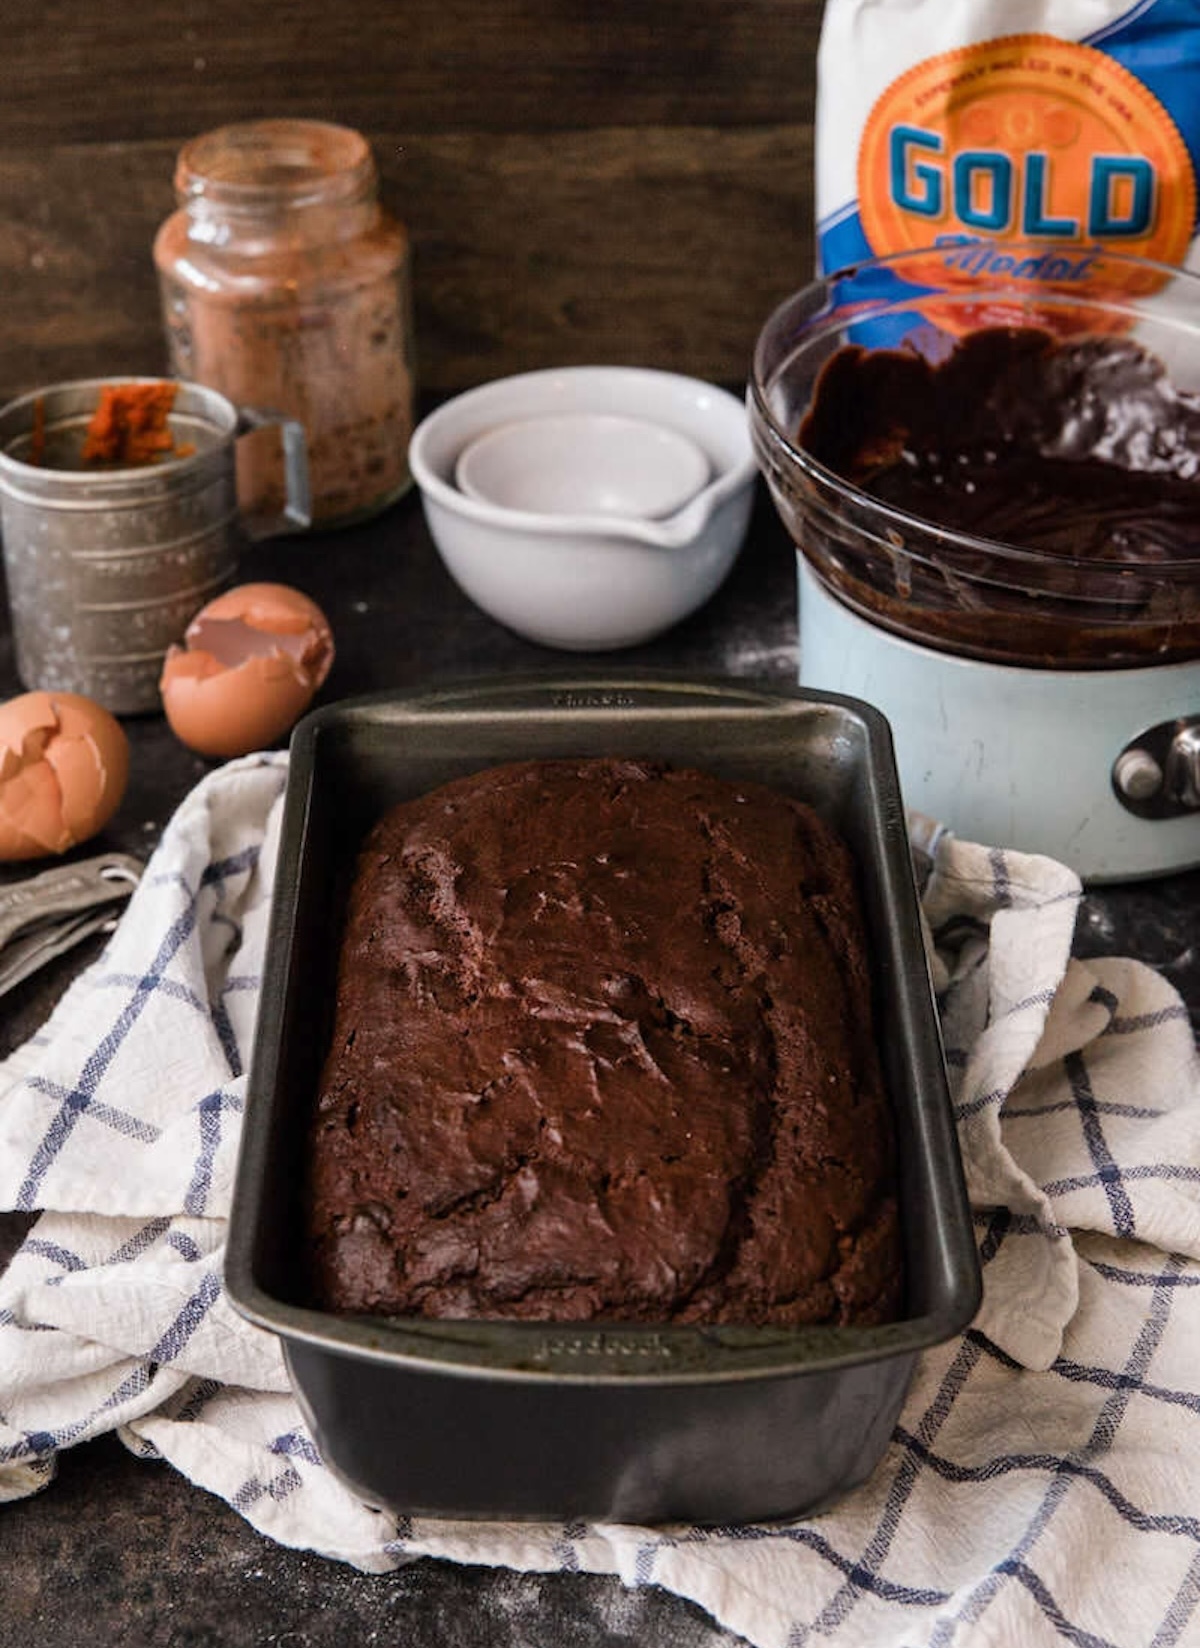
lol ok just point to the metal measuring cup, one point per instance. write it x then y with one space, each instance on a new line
106 566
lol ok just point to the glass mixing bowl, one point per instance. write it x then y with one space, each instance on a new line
973 593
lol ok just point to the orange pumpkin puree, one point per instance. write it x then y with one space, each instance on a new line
129 426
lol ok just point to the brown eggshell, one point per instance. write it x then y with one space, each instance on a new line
251 662
64 765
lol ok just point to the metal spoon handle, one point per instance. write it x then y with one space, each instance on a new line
65 891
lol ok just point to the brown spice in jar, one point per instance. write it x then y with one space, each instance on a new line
285 288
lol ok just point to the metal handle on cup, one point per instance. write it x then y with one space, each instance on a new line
297 506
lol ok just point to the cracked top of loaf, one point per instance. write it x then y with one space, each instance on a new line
603 1050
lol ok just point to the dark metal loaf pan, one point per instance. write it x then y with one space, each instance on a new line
602 1422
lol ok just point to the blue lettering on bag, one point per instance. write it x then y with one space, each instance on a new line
985 189
928 203
1107 172
997 172
1035 219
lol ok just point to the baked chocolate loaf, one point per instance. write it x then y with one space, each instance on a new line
603 1050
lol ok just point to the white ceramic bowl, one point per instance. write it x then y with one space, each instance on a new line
583 463
588 582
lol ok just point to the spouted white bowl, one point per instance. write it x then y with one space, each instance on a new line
588 580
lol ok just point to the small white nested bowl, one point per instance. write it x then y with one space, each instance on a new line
583 463
593 580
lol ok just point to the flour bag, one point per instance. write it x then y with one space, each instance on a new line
1073 123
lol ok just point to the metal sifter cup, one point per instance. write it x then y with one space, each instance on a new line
106 566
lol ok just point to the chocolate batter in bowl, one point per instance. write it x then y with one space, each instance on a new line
994 450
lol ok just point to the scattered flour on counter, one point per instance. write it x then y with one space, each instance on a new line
754 658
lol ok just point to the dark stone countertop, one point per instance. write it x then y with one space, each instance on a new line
119 1551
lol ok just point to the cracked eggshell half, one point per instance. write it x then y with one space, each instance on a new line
250 664
64 764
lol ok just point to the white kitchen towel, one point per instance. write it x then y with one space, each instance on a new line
1043 1482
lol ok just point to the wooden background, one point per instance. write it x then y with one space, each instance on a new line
583 180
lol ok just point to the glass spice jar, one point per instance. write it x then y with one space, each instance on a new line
285 285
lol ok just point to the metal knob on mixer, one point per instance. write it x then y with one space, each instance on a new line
1157 774
1181 777
1137 775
